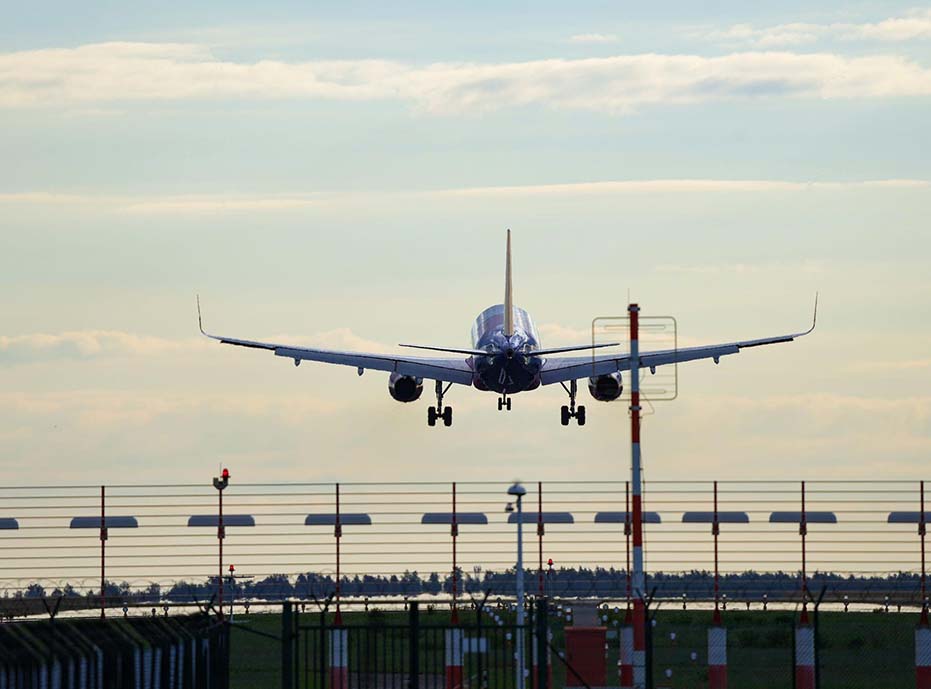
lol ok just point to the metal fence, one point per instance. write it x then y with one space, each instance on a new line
388 647
185 652
160 546
413 649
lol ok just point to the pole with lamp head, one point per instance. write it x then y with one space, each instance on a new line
518 491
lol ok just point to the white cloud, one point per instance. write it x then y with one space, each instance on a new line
85 344
808 266
593 38
902 366
99 344
916 25
124 72
220 204
247 202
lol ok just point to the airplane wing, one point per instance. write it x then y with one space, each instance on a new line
576 367
448 370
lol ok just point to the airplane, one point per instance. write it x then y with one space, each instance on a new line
506 357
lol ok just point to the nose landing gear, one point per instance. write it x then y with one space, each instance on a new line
571 411
504 402
439 412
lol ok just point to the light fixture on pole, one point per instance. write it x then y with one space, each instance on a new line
518 491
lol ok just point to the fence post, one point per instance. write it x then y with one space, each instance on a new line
414 646
543 669
287 647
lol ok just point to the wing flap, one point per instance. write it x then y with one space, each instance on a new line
448 370
573 368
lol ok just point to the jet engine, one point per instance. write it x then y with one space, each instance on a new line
606 388
405 388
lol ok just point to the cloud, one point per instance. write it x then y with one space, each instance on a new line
107 73
85 344
220 204
808 266
101 344
903 366
295 201
556 335
593 38
916 25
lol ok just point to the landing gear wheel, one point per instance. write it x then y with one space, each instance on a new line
504 402
508 403
571 411
439 411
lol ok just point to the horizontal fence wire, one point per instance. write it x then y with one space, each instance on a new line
862 556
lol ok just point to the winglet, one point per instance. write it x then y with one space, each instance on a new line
814 318
200 320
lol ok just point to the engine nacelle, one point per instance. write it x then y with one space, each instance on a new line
405 388
606 388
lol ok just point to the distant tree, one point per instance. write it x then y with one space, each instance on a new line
34 591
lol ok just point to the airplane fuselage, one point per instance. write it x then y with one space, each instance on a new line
510 366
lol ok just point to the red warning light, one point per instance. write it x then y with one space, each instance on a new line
226 473
232 569
550 562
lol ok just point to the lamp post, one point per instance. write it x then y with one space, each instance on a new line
518 491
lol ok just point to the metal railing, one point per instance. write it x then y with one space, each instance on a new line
159 543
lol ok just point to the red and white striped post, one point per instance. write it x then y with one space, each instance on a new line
717 633
804 654
454 636
626 635
923 632
638 583
339 674
454 652
923 653
339 661
804 633
541 593
717 657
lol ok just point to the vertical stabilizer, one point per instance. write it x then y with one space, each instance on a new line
508 294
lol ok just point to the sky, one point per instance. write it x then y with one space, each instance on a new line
342 174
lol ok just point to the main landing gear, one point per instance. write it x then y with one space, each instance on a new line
504 402
439 412
571 411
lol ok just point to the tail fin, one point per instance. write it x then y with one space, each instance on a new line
508 295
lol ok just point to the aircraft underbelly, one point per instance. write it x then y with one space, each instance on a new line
507 376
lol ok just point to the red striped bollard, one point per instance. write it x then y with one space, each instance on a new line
804 653
626 661
923 652
339 672
454 649
717 657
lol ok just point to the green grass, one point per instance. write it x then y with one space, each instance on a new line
858 650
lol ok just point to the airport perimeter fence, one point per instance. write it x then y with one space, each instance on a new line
374 646
181 651
159 545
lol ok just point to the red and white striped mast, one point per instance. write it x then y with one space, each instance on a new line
637 583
